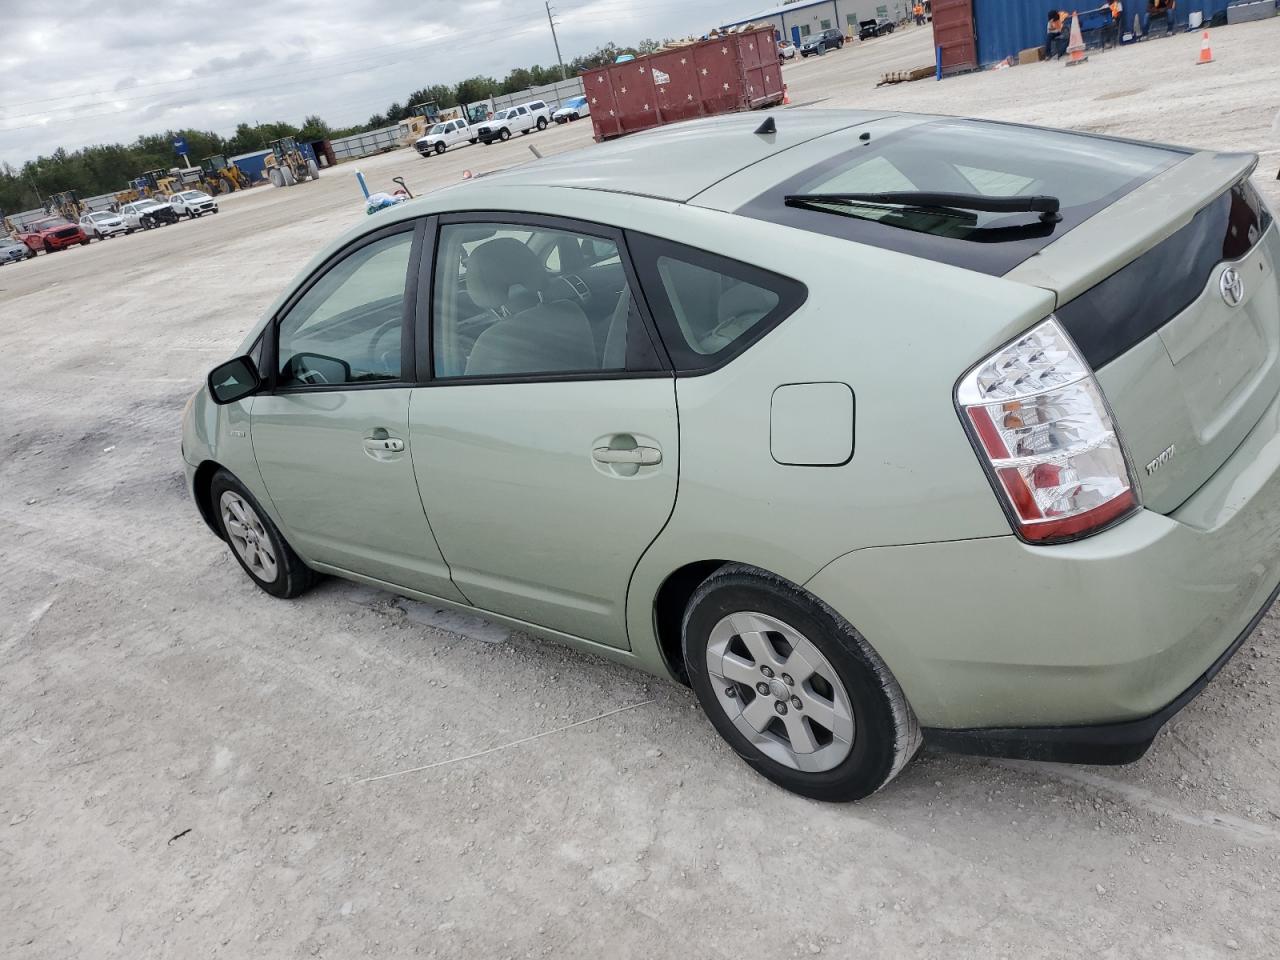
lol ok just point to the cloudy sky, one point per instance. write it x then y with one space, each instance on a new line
78 72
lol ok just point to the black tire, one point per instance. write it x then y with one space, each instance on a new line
542 123
293 577
31 254
886 733
474 140
504 134
439 147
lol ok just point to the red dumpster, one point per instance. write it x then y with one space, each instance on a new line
724 75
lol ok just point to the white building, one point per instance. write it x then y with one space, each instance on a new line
795 21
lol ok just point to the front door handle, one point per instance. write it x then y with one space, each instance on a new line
384 445
640 456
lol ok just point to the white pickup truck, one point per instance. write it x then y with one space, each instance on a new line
444 135
519 119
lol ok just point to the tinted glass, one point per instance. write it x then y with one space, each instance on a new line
347 328
1085 173
709 308
1147 293
513 301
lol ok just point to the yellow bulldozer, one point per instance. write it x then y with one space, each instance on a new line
221 176
288 163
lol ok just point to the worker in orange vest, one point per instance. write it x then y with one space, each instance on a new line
918 10
1055 42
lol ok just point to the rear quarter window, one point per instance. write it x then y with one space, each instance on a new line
708 308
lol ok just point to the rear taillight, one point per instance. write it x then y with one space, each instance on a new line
1038 420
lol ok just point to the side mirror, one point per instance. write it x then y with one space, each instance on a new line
234 380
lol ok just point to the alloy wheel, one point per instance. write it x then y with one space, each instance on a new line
780 691
249 537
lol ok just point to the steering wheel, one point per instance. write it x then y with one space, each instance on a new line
312 378
385 356
579 288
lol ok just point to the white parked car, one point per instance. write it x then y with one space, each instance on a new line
147 213
575 108
193 203
102 224
786 50
444 135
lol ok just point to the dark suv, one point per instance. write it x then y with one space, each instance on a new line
820 43
874 28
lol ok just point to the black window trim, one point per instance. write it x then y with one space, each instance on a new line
792 295
426 365
408 330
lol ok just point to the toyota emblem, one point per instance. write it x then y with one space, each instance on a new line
1232 286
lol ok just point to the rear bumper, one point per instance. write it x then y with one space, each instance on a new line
1008 649
1103 743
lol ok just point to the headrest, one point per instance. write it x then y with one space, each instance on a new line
496 266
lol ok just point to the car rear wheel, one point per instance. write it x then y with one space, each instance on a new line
796 691
255 542
542 123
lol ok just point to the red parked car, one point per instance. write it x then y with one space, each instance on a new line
50 234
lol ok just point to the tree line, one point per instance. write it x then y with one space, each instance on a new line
105 168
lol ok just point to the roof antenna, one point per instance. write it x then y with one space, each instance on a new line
767 127
534 151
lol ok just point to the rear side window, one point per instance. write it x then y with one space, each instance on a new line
709 308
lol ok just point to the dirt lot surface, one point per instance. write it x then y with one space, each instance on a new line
180 754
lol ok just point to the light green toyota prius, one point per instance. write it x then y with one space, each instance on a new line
874 429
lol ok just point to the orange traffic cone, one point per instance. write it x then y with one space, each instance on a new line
786 97
1076 46
1206 54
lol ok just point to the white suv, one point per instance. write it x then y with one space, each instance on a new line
444 135
193 203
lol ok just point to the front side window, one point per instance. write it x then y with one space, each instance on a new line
709 308
519 301
347 328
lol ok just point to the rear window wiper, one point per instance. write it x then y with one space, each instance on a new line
1046 206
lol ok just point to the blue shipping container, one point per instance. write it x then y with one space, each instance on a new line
252 165
1004 28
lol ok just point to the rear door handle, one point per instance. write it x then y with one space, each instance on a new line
641 456
383 445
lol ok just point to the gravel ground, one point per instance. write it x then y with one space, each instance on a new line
181 756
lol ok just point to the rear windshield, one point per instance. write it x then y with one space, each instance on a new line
1085 173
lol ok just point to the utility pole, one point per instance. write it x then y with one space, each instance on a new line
555 40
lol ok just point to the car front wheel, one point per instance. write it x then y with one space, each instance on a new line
255 542
505 134
796 691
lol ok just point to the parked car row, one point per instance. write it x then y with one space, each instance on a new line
503 125
819 43
57 233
